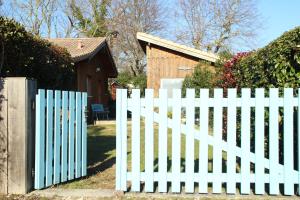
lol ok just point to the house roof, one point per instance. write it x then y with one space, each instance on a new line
144 38
80 48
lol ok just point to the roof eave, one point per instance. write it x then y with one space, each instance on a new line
144 38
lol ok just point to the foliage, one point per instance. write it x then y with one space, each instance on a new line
93 25
276 65
201 78
125 79
28 56
227 79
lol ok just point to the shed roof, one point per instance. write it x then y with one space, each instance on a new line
145 38
80 48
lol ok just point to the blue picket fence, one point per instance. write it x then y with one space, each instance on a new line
260 156
61 137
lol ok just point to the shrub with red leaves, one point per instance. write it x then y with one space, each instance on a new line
228 80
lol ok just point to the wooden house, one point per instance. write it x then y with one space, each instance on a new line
94 64
168 63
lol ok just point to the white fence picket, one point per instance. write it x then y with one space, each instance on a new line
217 150
135 142
273 141
231 142
245 142
124 140
176 138
203 150
149 141
278 173
288 142
162 140
259 141
190 138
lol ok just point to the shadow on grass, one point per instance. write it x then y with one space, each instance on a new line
99 147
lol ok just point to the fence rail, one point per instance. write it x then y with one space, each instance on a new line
61 137
239 140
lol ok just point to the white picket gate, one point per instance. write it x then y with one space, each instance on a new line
246 163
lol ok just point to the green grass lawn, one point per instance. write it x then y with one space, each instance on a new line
102 152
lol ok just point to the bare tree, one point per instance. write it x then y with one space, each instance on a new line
216 24
36 15
127 17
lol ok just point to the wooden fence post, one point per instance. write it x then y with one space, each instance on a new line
17 135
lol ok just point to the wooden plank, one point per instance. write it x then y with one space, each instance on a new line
84 135
217 150
176 137
136 117
71 134
203 154
124 140
19 141
118 138
288 142
273 142
162 140
64 144
57 137
190 138
245 142
49 139
3 137
259 141
149 141
78 136
231 142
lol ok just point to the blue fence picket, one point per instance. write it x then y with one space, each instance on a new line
54 159
40 141
57 137
49 139
78 136
84 135
64 143
71 135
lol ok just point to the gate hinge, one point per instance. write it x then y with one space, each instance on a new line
32 173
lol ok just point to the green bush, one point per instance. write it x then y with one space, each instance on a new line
201 78
139 82
276 65
23 54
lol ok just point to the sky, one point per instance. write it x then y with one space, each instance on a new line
278 16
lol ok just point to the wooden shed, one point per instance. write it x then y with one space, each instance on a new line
168 63
94 64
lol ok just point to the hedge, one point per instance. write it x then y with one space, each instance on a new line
276 65
23 54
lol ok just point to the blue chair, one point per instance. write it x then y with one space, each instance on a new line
98 110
